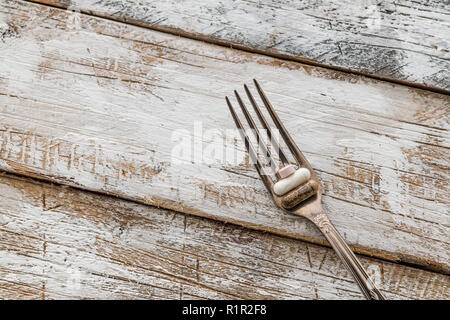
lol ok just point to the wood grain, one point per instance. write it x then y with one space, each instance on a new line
94 104
407 41
59 243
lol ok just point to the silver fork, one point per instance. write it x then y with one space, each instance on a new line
304 200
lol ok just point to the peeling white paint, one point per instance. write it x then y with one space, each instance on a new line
113 124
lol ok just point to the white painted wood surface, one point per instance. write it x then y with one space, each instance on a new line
403 40
61 243
93 103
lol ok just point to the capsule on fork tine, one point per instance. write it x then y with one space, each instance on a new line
285 171
288 177
299 186
299 195
299 177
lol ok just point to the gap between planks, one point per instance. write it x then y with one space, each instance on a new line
362 249
363 252
142 252
63 4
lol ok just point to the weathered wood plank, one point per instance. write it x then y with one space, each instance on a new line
404 40
58 242
95 107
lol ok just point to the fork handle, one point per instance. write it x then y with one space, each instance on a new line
344 252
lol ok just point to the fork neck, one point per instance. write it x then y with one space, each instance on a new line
367 287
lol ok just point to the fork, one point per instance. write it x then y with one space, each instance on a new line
305 198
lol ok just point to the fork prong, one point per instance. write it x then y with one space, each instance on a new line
266 126
253 126
286 136
265 178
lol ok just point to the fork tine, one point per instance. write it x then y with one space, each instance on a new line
286 136
266 179
263 120
258 137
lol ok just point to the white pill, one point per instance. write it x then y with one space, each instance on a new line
283 186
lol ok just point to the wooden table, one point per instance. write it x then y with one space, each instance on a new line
93 203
